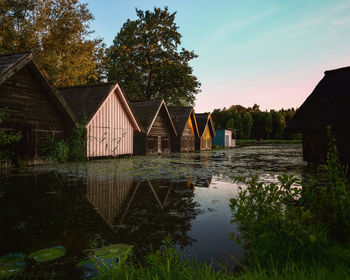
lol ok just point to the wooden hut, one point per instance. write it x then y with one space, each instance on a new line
328 105
110 123
156 125
225 137
186 127
34 106
206 131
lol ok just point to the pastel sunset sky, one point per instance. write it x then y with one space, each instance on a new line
268 52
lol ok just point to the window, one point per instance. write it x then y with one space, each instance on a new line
151 143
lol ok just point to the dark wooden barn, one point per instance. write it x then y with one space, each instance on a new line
34 106
328 105
156 125
206 131
185 123
109 121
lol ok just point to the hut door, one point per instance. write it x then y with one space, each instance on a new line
227 140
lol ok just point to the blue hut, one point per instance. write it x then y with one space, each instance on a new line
225 137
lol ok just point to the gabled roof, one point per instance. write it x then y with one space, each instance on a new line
202 120
147 111
328 104
180 116
85 100
12 63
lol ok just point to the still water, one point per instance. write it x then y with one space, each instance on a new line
136 200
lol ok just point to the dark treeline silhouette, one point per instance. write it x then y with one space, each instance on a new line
252 123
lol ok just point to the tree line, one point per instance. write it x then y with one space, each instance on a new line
252 123
146 57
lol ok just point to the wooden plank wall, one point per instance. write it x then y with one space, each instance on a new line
110 131
32 112
206 139
188 137
159 134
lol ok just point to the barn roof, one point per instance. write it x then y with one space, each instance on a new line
147 111
328 104
10 64
85 100
202 120
180 116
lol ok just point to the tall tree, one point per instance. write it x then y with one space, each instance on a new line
145 59
57 32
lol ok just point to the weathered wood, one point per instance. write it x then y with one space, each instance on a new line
32 110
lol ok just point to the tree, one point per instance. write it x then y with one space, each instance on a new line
229 123
57 33
145 59
247 124
278 124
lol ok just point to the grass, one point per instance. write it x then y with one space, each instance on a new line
168 265
241 142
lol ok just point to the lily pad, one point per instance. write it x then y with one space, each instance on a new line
11 264
113 251
12 258
48 254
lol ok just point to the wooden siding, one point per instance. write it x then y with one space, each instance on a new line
32 112
206 139
108 196
158 139
110 131
185 142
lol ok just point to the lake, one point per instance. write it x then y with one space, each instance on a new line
135 200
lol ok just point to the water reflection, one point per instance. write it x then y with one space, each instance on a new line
138 200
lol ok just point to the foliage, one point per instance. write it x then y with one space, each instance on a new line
72 148
167 264
330 201
252 123
57 32
295 222
48 254
146 61
263 142
11 264
162 264
7 138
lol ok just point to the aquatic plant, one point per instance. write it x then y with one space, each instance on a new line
48 254
294 221
7 138
11 264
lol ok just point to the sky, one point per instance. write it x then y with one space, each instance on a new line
266 52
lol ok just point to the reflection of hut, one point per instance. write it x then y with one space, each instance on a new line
108 195
35 107
110 124
186 127
156 126
206 131
328 105
225 137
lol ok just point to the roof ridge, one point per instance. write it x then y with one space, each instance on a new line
333 71
13 54
88 85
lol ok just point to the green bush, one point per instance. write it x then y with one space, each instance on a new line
5 137
295 222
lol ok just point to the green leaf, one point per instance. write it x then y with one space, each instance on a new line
12 258
48 254
113 251
11 269
11 264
